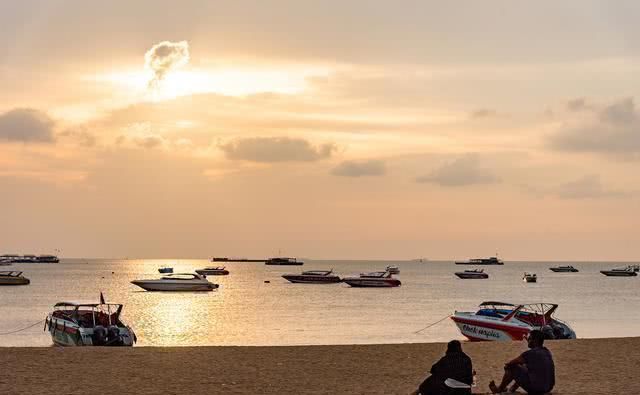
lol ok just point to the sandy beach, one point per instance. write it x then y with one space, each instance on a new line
590 366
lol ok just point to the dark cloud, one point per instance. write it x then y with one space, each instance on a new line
81 136
578 104
164 57
483 113
613 129
26 125
463 171
587 187
149 141
275 149
351 168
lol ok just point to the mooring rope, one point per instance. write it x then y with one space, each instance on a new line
22 329
432 324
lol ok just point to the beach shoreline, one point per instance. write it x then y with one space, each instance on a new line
584 366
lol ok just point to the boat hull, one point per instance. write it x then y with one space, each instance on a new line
530 280
472 276
618 273
213 272
300 279
477 330
174 287
557 270
68 334
360 282
14 281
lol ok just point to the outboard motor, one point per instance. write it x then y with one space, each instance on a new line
99 336
114 336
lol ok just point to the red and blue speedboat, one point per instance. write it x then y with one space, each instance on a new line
496 321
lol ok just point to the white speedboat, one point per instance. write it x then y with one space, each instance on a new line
177 282
88 324
529 277
373 280
625 272
213 271
505 321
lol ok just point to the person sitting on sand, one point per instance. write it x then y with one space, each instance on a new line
533 370
454 365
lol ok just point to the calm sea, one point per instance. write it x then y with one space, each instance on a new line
248 311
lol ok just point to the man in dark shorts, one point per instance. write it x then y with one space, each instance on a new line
533 370
454 365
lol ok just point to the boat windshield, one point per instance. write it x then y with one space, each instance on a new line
183 276
317 273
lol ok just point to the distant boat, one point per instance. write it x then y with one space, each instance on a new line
530 277
472 274
213 271
47 259
393 269
91 324
313 277
373 280
13 278
29 259
563 269
626 272
283 261
165 270
177 282
482 261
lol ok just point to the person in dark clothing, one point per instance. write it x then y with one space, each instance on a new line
454 365
533 370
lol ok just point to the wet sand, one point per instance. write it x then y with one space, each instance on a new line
589 366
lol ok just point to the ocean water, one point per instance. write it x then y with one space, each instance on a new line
247 311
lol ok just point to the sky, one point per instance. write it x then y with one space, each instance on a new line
323 129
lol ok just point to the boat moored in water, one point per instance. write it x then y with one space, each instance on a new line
13 278
164 270
626 272
89 324
482 261
283 261
529 277
393 269
499 321
472 274
313 277
373 280
563 269
213 271
177 282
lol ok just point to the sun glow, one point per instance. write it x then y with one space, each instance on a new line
236 82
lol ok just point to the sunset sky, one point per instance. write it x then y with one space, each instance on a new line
325 129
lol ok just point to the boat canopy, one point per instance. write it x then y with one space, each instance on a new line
78 305
490 303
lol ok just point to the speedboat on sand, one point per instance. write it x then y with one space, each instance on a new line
177 282
498 321
472 274
313 277
563 269
13 278
213 271
374 280
529 277
88 324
